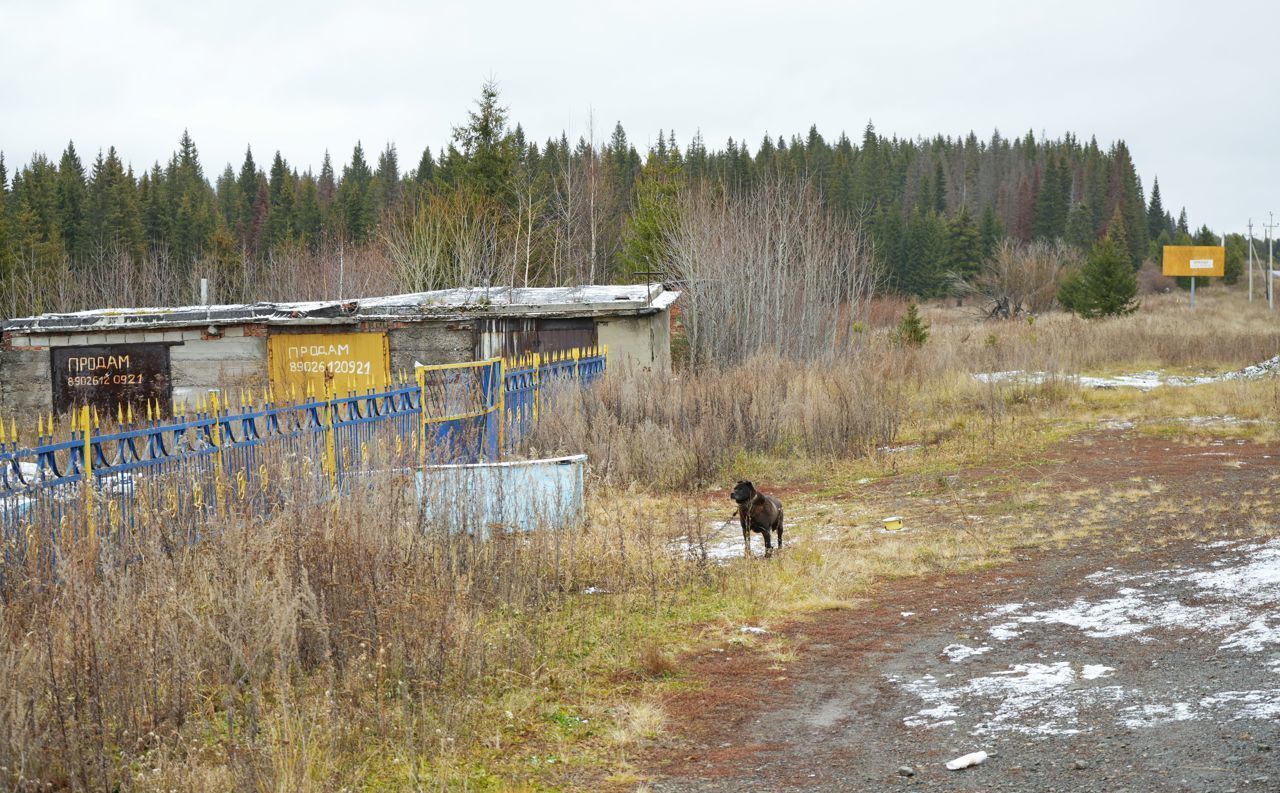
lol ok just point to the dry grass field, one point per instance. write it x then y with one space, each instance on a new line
344 648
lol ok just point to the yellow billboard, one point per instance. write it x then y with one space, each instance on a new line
1197 260
327 363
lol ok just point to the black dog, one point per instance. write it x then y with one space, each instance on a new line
759 513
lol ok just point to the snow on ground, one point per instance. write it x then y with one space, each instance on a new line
1143 381
958 652
1231 602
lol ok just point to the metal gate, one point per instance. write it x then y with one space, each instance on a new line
514 337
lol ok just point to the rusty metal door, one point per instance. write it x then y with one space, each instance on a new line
328 363
511 337
110 377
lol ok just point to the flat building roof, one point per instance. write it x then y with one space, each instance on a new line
445 304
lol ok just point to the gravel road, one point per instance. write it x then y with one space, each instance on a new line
1076 670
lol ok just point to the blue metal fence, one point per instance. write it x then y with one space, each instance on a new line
195 464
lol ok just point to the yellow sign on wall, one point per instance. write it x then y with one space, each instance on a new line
320 363
1197 260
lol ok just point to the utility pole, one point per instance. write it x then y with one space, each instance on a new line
1271 277
1250 260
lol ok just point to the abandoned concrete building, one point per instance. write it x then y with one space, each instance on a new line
132 356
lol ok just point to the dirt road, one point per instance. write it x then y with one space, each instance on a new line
1089 669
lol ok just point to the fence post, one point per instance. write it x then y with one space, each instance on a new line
537 384
502 408
421 375
217 454
86 473
330 448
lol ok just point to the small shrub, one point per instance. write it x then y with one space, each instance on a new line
656 663
912 332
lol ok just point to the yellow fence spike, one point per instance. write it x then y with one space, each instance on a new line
96 422
40 425
119 413
2 438
13 430
150 417
130 414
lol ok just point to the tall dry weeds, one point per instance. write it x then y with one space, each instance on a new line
679 430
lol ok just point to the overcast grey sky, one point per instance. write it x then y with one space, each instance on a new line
1192 87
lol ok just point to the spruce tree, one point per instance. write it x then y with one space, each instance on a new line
939 188
228 192
1106 285
326 185
6 242
911 331
280 215
426 170
247 188
72 197
386 181
1079 231
309 216
965 245
359 213
1155 211
114 218
990 232
486 147
1051 203
644 238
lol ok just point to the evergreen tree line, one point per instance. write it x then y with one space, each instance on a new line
560 211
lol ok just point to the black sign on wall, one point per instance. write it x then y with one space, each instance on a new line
111 376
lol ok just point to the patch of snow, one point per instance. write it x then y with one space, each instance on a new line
1004 632
1117 424
1253 638
907 613
752 629
1155 714
1032 699
1007 608
1143 381
958 652
1234 596
1263 705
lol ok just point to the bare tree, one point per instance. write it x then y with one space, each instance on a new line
771 269
1019 278
448 240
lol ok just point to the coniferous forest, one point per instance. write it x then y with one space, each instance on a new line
493 207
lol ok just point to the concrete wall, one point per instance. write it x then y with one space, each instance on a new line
196 364
430 342
238 359
200 365
25 381
641 342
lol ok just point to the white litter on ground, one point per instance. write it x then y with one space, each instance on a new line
965 761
